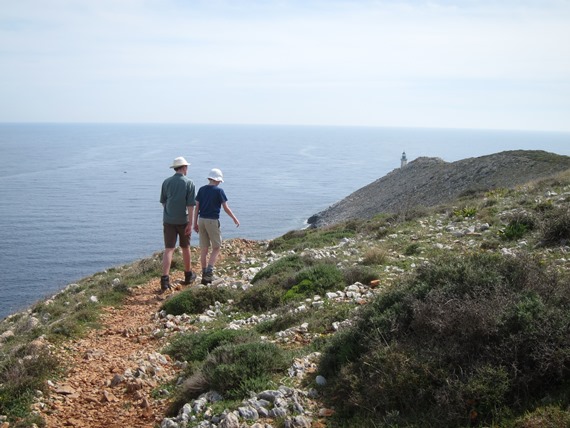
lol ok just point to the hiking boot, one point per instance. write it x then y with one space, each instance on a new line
165 283
189 277
207 277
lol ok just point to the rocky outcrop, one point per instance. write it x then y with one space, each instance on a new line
428 182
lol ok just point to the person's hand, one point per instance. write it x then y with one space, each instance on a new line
188 229
196 228
236 221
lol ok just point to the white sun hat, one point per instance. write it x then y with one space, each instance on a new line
216 175
178 162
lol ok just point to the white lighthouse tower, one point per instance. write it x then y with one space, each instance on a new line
404 160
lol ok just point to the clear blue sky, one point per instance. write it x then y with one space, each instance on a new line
489 64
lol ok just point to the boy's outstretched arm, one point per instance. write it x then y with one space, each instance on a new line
230 213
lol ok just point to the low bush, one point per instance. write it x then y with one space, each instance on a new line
321 321
21 376
454 345
197 300
281 322
317 279
262 297
555 229
544 417
375 256
314 238
513 231
230 369
358 273
465 212
197 346
236 369
412 249
278 271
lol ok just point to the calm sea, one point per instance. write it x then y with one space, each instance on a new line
79 198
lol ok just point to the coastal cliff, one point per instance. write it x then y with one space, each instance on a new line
428 182
448 317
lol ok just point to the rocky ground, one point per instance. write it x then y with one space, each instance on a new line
114 374
113 370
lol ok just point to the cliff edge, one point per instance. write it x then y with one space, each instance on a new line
428 182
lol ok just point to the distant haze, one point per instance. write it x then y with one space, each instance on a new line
477 64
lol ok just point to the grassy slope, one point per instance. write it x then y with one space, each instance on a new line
386 248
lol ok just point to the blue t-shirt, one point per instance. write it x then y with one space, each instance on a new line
211 199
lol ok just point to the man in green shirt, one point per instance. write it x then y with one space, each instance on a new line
177 196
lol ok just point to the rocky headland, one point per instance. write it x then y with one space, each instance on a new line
428 182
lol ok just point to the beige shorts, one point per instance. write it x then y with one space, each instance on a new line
210 232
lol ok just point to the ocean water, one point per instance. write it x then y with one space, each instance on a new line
76 199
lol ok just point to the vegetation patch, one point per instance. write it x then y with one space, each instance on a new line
314 238
455 345
556 228
317 279
197 300
197 346
234 370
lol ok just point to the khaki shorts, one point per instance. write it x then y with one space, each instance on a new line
210 232
174 231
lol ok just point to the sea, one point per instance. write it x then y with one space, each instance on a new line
77 199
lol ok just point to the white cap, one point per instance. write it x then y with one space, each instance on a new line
178 162
216 175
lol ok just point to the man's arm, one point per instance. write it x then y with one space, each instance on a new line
196 210
190 209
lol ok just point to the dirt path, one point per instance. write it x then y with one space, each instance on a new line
96 392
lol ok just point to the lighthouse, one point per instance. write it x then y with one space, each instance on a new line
404 160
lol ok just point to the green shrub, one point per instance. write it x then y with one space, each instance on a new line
497 193
75 323
196 300
314 238
556 228
513 231
362 274
412 249
260 298
280 269
465 212
455 344
281 322
544 417
317 279
21 376
197 346
321 321
231 369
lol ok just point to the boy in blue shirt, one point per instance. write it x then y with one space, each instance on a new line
209 200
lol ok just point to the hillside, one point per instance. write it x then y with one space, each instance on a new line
455 316
428 182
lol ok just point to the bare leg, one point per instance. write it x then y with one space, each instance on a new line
167 260
214 256
203 257
186 258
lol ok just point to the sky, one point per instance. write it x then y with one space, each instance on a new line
476 64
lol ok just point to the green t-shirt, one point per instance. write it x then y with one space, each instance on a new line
178 192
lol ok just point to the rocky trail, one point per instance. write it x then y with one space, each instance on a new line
113 371
114 375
